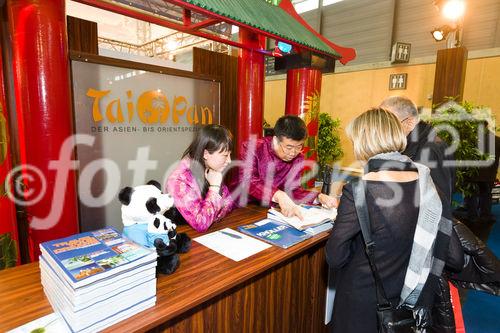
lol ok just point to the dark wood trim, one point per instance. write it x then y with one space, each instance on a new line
97 59
226 67
82 35
449 78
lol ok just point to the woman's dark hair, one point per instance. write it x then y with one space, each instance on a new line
213 138
291 127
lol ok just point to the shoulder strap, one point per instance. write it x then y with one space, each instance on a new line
364 223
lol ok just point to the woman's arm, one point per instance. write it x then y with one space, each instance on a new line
228 203
199 212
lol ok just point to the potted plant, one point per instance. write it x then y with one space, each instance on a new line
458 125
8 251
329 148
8 246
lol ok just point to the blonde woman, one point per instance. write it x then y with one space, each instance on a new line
400 197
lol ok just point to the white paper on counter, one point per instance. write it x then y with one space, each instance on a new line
234 248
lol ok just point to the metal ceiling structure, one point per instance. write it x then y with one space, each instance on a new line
168 46
160 47
212 20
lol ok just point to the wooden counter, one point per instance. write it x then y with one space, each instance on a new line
275 290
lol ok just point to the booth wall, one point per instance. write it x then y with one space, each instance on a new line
345 95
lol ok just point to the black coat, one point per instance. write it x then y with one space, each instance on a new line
393 229
481 269
425 147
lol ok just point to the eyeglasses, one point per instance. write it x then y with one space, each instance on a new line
405 119
291 149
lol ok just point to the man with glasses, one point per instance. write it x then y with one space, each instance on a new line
276 167
424 146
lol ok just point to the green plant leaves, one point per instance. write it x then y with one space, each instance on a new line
8 251
464 118
39 330
329 148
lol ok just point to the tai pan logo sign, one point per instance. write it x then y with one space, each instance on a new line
151 107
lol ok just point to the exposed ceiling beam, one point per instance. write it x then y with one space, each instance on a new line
162 21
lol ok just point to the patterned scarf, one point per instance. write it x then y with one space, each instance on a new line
430 242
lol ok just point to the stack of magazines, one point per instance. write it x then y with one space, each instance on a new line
96 279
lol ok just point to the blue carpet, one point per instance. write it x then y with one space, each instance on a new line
481 311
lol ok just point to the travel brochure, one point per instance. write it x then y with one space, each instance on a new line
92 253
276 233
97 278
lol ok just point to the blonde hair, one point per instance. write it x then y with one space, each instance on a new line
376 131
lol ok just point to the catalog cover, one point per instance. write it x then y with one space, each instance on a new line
276 233
93 253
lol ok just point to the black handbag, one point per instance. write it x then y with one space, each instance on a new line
390 319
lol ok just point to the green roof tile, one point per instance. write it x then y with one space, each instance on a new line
267 17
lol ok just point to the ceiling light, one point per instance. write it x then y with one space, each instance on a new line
441 33
438 35
451 9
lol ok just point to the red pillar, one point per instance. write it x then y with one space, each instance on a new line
43 107
8 226
250 87
303 91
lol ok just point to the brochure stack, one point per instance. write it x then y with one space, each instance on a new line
96 279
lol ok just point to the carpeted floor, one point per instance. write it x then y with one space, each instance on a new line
481 311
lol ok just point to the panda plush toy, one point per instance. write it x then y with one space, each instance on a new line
144 210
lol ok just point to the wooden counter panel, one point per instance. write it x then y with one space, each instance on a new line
204 274
287 298
205 288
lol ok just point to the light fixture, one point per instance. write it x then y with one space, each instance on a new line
284 47
452 10
441 33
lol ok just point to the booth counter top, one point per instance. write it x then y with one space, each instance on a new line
276 290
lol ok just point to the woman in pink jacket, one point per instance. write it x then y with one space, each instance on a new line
196 184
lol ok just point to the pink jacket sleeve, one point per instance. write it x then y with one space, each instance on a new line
199 212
